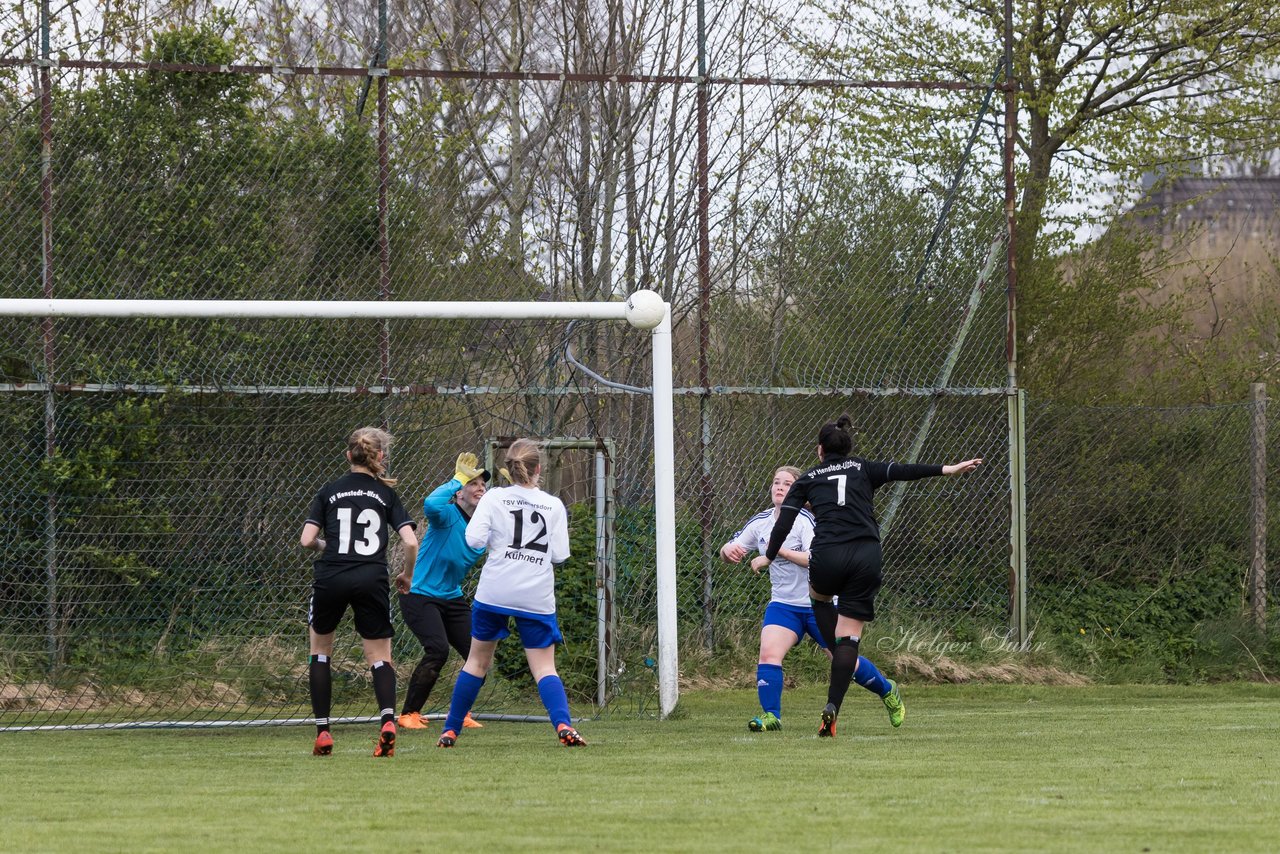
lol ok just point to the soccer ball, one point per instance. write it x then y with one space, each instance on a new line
645 309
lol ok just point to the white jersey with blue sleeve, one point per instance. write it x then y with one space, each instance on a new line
790 581
526 533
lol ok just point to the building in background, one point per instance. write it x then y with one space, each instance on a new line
1224 236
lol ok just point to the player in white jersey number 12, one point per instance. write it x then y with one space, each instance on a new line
525 532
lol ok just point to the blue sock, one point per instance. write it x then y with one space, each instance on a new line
465 691
870 678
769 687
551 690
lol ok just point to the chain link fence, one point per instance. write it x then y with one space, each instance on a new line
1141 531
159 470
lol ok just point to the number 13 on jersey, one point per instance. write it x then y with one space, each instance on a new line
368 540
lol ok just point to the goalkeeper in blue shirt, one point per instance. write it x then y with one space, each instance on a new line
435 609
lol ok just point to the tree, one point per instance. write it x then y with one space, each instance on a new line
1114 87
1108 92
186 185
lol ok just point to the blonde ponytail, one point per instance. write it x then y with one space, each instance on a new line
524 460
369 447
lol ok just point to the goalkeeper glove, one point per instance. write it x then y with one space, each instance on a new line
467 468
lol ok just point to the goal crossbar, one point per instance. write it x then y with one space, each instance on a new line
663 394
304 309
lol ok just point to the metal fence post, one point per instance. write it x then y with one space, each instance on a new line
1257 587
53 641
1017 401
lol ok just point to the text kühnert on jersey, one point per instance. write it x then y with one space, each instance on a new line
516 554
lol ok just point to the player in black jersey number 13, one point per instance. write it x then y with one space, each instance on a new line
357 514
844 558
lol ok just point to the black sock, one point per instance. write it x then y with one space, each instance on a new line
824 614
384 689
420 684
844 660
321 681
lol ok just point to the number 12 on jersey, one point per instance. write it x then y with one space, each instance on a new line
538 542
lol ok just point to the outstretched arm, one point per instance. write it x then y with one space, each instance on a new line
477 532
436 507
881 473
962 468
796 556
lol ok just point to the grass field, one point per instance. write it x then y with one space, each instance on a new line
974 768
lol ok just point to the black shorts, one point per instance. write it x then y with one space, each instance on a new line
851 571
438 623
366 589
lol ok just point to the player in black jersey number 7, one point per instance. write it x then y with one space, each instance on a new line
357 514
844 558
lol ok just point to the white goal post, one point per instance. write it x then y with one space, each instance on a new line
662 393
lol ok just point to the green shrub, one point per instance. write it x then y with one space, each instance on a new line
1185 627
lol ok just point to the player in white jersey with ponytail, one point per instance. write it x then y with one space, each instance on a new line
526 534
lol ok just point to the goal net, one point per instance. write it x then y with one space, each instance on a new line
153 575
829 247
